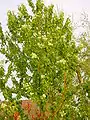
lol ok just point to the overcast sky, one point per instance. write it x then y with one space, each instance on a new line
70 7
74 7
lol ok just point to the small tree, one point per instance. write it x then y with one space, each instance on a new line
43 61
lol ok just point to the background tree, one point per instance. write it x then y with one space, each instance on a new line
43 61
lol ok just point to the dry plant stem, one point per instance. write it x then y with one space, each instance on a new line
79 75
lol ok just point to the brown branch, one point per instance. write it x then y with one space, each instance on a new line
65 86
63 96
79 75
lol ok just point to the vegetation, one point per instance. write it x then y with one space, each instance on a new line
45 65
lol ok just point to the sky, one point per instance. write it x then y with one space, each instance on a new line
74 8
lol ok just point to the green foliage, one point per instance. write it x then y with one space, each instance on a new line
43 58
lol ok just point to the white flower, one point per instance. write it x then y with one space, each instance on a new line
34 55
3 105
63 61
31 93
42 76
50 44
40 45
58 28
44 95
24 26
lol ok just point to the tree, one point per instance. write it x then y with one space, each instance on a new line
43 61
